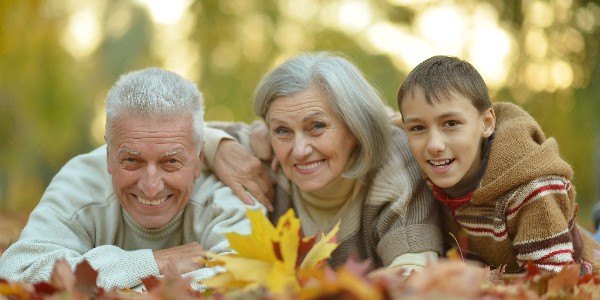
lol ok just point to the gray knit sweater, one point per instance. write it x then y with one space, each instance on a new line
396 214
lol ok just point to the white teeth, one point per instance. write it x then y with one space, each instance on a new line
309 166
152 202
440 163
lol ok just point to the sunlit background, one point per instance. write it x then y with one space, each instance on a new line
58 58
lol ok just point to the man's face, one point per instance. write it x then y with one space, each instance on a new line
153 164
445 138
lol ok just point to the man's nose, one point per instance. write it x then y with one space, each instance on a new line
151 182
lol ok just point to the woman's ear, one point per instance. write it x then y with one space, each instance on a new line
489 122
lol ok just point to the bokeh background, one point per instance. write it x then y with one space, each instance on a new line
58 58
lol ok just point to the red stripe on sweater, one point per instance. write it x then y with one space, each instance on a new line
541 262
554 264
535 193
479 229
557 252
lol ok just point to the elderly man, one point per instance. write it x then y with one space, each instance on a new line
140 202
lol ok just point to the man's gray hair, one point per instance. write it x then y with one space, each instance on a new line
352 97
156 94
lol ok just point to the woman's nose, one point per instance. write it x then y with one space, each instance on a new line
302 147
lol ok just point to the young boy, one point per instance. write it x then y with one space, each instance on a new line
501 183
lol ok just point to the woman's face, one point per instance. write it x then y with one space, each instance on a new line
312 143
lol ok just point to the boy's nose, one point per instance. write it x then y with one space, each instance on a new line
435 144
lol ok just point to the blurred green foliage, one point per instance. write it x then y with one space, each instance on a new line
50 99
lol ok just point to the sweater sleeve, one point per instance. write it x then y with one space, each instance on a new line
73 221
212 138
401 207
47 238
541 224
217 213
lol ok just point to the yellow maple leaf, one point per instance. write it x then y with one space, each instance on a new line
268 257
320 251
259 244
288 239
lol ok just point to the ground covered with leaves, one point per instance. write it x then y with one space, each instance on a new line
444 280
276 262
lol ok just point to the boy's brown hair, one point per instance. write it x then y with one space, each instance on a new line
440 75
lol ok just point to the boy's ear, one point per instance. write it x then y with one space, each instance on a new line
489 122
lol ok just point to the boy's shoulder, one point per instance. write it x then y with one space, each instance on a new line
509 110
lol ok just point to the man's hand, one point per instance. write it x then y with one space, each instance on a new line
242 171
183 259
393 273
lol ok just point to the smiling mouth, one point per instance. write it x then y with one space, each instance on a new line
153 202
309 166
440 163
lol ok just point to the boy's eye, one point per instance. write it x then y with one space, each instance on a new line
452 123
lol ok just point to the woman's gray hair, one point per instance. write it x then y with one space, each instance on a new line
156 94
352 97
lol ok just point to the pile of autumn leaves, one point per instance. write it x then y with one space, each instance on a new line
277 263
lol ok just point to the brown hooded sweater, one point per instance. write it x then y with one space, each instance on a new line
524 209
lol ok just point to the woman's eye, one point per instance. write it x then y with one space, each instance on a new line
318 125
416 128
281 131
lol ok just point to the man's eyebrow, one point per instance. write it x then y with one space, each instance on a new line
129 151
172 152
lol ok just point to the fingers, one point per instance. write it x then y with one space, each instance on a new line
274 164
262 198
261 189
240 191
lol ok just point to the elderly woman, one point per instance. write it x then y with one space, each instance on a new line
341 159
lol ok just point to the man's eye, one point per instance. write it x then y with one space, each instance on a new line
129 160
172 161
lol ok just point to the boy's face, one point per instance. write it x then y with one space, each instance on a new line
445 138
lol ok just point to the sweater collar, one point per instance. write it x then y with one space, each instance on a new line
154 233
461 193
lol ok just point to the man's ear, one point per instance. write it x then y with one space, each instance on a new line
198 168
489 122
109 166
